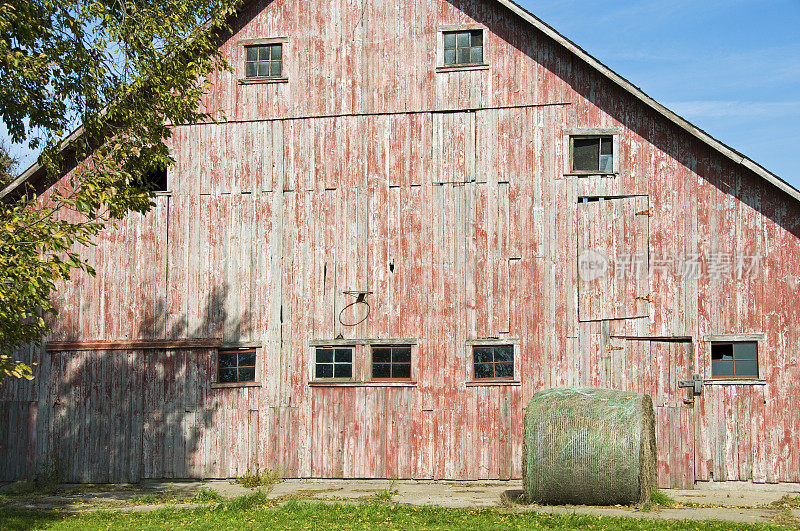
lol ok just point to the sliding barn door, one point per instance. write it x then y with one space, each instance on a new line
612 258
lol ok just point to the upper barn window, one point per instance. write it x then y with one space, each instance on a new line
463 47
263 61
592 154
734 360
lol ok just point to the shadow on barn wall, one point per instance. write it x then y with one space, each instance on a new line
120 415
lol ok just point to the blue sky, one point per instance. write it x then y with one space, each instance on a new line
730 67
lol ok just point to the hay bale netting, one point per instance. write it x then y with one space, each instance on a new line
589 446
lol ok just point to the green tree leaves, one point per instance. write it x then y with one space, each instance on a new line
123 69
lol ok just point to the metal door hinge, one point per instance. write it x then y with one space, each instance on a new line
695 384
644 298
611 348
647 213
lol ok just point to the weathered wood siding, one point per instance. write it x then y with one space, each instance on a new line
444 194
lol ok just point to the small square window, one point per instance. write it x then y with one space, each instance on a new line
263 60
593 154
391 362
493 362
463 47
734 360
333 362
236 365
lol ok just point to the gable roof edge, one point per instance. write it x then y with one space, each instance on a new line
684 124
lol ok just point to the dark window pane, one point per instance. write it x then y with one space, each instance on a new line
275 69
324 355
463 56
263 53
324 370
252 53
504 370
277 52
227 375
722 367
477 55
463 39
483 370
745 351
381 355
606 145
247 358
401 370
343 370
344 355
746 368
585 154
449 57
247 374
449 41
251 70
263 69
381 370
227 360
721 352
477 38
401 355
504 353
482 354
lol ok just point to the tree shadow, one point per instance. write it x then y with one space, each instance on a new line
122 414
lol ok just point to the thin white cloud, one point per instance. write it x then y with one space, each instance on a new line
735 109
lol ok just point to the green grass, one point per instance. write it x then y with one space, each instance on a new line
260 478
254 511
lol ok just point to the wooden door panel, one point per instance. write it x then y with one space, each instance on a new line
655 368
613 259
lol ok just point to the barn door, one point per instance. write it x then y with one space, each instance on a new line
656 368
612 258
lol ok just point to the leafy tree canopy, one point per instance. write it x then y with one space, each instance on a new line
122 69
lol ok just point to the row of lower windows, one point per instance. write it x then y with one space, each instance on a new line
393 362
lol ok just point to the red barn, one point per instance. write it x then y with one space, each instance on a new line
411 217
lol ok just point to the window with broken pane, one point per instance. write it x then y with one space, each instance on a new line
333 362
734 360
236 365
493 362
593 153
463 47
263 60
391 362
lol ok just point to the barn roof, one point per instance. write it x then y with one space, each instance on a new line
35 174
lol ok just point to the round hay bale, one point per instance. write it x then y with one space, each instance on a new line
589 446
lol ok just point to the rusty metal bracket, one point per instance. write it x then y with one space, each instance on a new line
695 384
647 213
611 348
644 298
